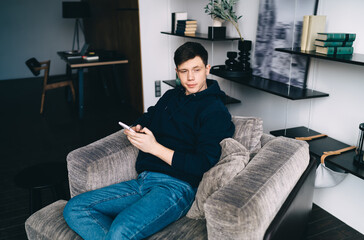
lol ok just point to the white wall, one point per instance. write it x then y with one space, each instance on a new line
341 113
33 29
338 115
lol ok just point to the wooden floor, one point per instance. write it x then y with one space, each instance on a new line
27 138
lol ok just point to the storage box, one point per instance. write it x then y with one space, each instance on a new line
217 32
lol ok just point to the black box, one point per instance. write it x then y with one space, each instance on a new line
217 32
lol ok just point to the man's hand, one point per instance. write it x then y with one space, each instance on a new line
144 140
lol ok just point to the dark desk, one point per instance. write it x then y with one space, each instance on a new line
80 64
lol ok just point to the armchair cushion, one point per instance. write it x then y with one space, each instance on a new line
248 131
49 224
234 157
184 228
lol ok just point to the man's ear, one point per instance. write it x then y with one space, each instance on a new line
208 68
178 81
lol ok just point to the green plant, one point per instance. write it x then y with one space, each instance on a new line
223 9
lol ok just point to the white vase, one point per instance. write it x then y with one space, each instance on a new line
217 22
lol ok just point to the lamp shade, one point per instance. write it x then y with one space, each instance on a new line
75 10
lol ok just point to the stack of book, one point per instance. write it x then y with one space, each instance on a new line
312 24
175 17
335 43
186 27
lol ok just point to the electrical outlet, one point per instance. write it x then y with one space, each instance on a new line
157 87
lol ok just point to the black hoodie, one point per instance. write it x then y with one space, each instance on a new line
191 125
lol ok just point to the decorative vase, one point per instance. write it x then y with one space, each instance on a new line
244 56
217 22
231 64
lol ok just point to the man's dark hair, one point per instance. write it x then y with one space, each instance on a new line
188 51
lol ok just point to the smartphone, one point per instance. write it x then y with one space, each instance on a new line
126 126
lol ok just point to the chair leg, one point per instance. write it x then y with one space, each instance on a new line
73 92
42 102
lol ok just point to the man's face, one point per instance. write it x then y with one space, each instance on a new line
193 74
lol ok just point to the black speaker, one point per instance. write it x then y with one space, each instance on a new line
75 10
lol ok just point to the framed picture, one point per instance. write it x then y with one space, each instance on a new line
280 26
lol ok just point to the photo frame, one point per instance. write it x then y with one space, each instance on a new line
280 26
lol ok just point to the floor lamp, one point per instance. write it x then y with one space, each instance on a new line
76 34
78 11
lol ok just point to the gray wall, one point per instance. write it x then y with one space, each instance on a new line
32 29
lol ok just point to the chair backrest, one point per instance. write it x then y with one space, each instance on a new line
32 64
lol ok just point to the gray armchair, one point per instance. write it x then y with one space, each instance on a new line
269 199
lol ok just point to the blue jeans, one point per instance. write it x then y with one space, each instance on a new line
134 209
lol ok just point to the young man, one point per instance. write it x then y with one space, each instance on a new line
178 139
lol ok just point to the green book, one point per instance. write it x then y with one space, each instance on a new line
336 36
333 44
334 50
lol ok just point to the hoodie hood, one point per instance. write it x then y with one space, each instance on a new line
211 93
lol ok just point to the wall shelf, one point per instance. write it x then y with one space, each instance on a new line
356 58
228 99
344 161
273 87
202 36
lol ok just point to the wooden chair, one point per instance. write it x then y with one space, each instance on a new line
35 67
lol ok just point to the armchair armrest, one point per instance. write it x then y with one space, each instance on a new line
107 161
244 208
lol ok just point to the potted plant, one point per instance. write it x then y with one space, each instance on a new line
223 10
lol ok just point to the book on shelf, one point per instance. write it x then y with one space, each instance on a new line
336 36
190 34
175 17
186 26
187 21
312 25
186 29
304 32
333 44
194 25
183 32
334 50
90 58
